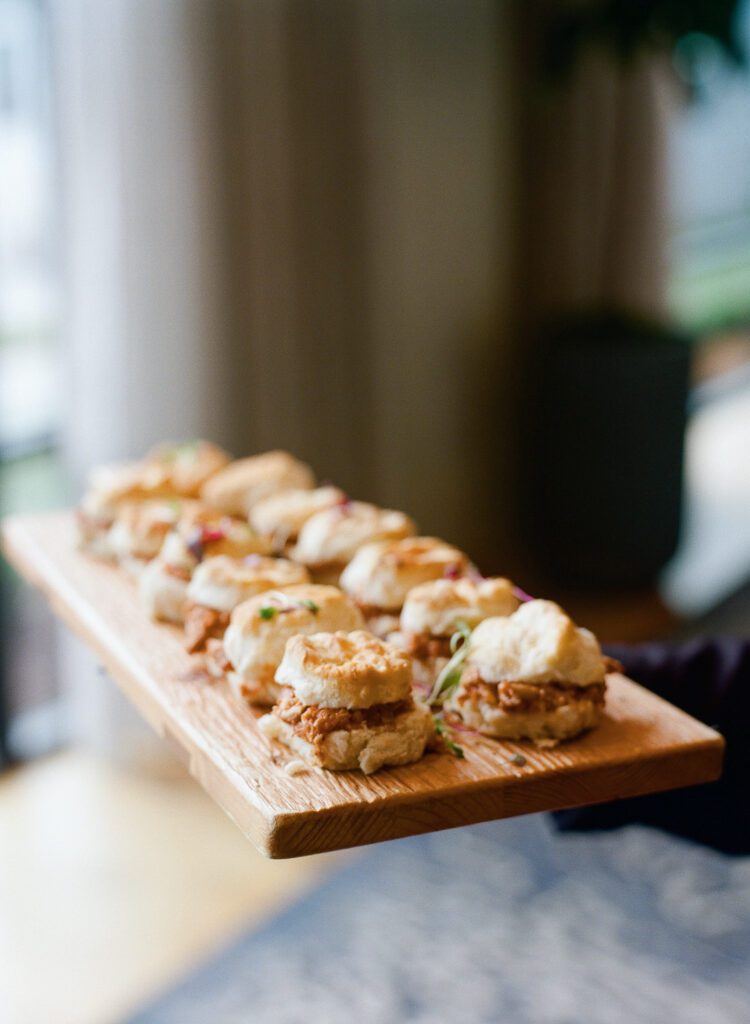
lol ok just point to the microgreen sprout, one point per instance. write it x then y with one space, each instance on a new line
182 450
450 675
194 544
187 451
286 604
460 637
442 730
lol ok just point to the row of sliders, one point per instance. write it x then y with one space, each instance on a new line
368 643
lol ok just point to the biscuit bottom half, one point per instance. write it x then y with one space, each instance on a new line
263 690
429 654
543 712
163 591
92 535
340 739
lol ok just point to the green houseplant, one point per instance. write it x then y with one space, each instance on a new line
626 27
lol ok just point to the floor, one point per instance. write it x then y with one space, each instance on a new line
504 922
113 884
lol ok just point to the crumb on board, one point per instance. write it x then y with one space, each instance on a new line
295 767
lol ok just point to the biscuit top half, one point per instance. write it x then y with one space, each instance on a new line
188 464
222 582
203 532
240 485
260 627
438 608
114 484
335 535
539 643
382 573
283 515
140 527
345 670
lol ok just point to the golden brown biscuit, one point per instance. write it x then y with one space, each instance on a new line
382 573
187 465
280 517
109 489
200 533
240 485
349 704
260 627
345 670
330 539
139 530
434 611
219 584
533 675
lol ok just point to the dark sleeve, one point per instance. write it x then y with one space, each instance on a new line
710 679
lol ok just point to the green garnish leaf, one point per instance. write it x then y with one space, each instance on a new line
454 748
441 730
286 604
460 637
450 676
446 683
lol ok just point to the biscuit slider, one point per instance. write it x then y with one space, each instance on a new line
200 533
242 484
351 704
280 517
534 675
140 528
434 612
382 573
259 629
219 584
167 471
330 539
110 489
187 465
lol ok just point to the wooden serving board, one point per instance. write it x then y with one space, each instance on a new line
642 745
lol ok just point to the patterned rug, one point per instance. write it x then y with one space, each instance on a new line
505 922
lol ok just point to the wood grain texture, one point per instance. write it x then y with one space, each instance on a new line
643 744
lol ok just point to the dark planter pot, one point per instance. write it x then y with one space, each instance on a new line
604 462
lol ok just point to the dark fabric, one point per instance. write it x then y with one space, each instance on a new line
710 679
